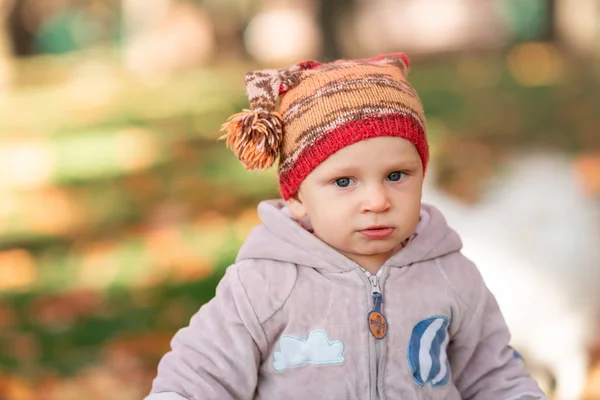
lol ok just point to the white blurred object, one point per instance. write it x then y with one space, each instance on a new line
578 24
283 36
535 240
426 26
139 15
169 36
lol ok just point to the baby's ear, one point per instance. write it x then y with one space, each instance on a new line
296 207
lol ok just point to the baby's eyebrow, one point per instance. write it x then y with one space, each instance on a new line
341 171
345 170
400 164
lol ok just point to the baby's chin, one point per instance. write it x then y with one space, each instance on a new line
376 248
362 246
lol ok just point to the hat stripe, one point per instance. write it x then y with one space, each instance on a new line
309 137
346 114
325 110
344 88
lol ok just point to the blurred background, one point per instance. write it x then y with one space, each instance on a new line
119 209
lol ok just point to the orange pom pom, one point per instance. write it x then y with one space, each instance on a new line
255 137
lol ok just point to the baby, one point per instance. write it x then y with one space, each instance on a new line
351 288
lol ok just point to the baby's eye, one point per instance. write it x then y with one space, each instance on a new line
343 182
395 176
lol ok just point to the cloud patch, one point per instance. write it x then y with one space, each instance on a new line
317 350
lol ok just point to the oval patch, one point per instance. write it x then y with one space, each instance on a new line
377 324
427 351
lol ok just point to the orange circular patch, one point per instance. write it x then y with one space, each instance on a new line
377 324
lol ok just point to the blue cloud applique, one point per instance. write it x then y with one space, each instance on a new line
317 350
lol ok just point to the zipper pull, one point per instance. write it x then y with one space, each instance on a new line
375 283
377 322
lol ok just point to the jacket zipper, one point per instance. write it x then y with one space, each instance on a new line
377 322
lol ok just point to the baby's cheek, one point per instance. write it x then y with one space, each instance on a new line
330 230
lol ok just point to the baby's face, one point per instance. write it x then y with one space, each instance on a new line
365 199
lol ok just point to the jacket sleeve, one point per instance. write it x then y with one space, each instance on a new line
482 362
218 355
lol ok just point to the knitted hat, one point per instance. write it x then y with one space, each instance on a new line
322 109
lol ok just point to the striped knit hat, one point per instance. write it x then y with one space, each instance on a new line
323 108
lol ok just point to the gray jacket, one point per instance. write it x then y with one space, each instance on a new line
292 319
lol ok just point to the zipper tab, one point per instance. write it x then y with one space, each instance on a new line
375 283
377 322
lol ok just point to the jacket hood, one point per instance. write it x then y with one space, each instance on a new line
281 238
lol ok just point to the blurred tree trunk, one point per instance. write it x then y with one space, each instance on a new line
329 12
6 46
19 34
549 33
